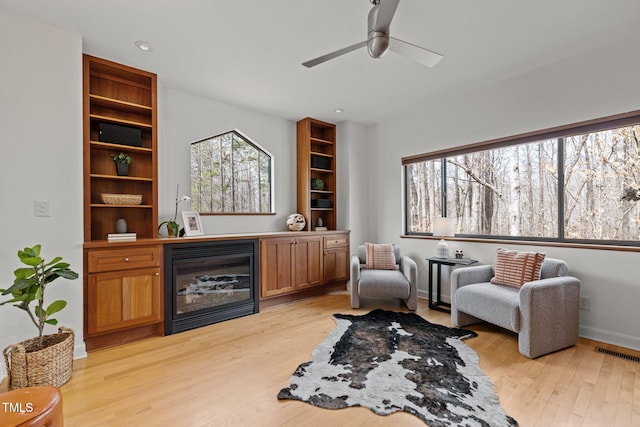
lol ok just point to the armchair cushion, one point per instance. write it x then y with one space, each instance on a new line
515 268
383 284
496 304
380 256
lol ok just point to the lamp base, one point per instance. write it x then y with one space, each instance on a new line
442 249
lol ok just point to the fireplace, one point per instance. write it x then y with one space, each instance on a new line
209 282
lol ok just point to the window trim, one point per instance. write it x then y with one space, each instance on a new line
558 133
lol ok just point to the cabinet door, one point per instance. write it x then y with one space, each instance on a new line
123 299
308 262
276 266
336 265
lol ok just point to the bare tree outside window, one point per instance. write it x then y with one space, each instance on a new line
230 174
513 190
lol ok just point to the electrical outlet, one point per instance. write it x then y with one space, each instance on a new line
585 303
42 208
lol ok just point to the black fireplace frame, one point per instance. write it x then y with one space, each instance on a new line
208 249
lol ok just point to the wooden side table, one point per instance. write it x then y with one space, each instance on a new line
439 304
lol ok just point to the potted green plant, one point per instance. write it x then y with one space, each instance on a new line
122 160
172 225
26 360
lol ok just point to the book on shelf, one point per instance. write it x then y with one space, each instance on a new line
121 237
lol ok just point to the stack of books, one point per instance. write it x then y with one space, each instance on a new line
121 237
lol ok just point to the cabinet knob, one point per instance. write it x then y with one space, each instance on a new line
157 274
126 259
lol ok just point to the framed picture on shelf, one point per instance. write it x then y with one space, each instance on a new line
192 224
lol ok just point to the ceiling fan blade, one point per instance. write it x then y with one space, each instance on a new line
383 15
328 56
419 54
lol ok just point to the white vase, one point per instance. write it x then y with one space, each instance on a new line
442 249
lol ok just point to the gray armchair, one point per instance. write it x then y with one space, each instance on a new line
544 313
400 283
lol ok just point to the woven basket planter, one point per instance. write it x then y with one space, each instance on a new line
52 365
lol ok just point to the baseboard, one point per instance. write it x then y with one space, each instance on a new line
608 337
79 351
425 295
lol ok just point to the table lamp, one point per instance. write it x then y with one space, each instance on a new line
443 227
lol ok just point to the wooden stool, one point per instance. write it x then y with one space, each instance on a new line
39 406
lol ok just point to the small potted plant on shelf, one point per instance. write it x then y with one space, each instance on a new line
122 161
45 359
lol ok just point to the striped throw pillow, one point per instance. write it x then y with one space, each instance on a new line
380 256
515 268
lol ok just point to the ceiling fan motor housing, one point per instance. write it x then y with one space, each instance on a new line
377 44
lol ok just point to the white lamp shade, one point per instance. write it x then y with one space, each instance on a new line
444 227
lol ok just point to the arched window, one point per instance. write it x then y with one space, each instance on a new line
230 174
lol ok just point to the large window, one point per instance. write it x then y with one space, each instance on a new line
577 183
230 174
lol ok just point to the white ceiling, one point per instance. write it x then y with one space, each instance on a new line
249 52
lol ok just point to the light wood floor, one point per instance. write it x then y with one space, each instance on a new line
229 374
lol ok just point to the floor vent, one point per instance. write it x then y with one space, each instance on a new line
618 354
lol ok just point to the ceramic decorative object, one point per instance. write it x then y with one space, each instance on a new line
121 226
296 222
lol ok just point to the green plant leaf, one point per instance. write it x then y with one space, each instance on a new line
38 293
68 274
33 261
19 285
56 306
51 321
23 273
37 311
53 261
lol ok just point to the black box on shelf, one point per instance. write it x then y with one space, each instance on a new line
120 134
320 203
319 162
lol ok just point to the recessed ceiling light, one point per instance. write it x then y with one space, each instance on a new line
339 110
143 45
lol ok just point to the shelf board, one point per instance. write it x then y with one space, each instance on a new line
321 141
321 209
104 205
122 178
120 147
321 170
322 191
121 121
118 104
315 153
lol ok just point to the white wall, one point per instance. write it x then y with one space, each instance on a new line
598 83
353 181
41 139
185 118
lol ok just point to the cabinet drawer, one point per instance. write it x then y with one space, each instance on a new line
123 259
335 242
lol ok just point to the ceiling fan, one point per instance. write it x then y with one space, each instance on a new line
379 41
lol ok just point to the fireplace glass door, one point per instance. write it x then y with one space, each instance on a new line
208 283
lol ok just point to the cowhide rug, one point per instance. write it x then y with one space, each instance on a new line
390 362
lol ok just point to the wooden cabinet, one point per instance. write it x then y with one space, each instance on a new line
120 116
122 286
316 172
336 258
291 265
288 264
123 291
